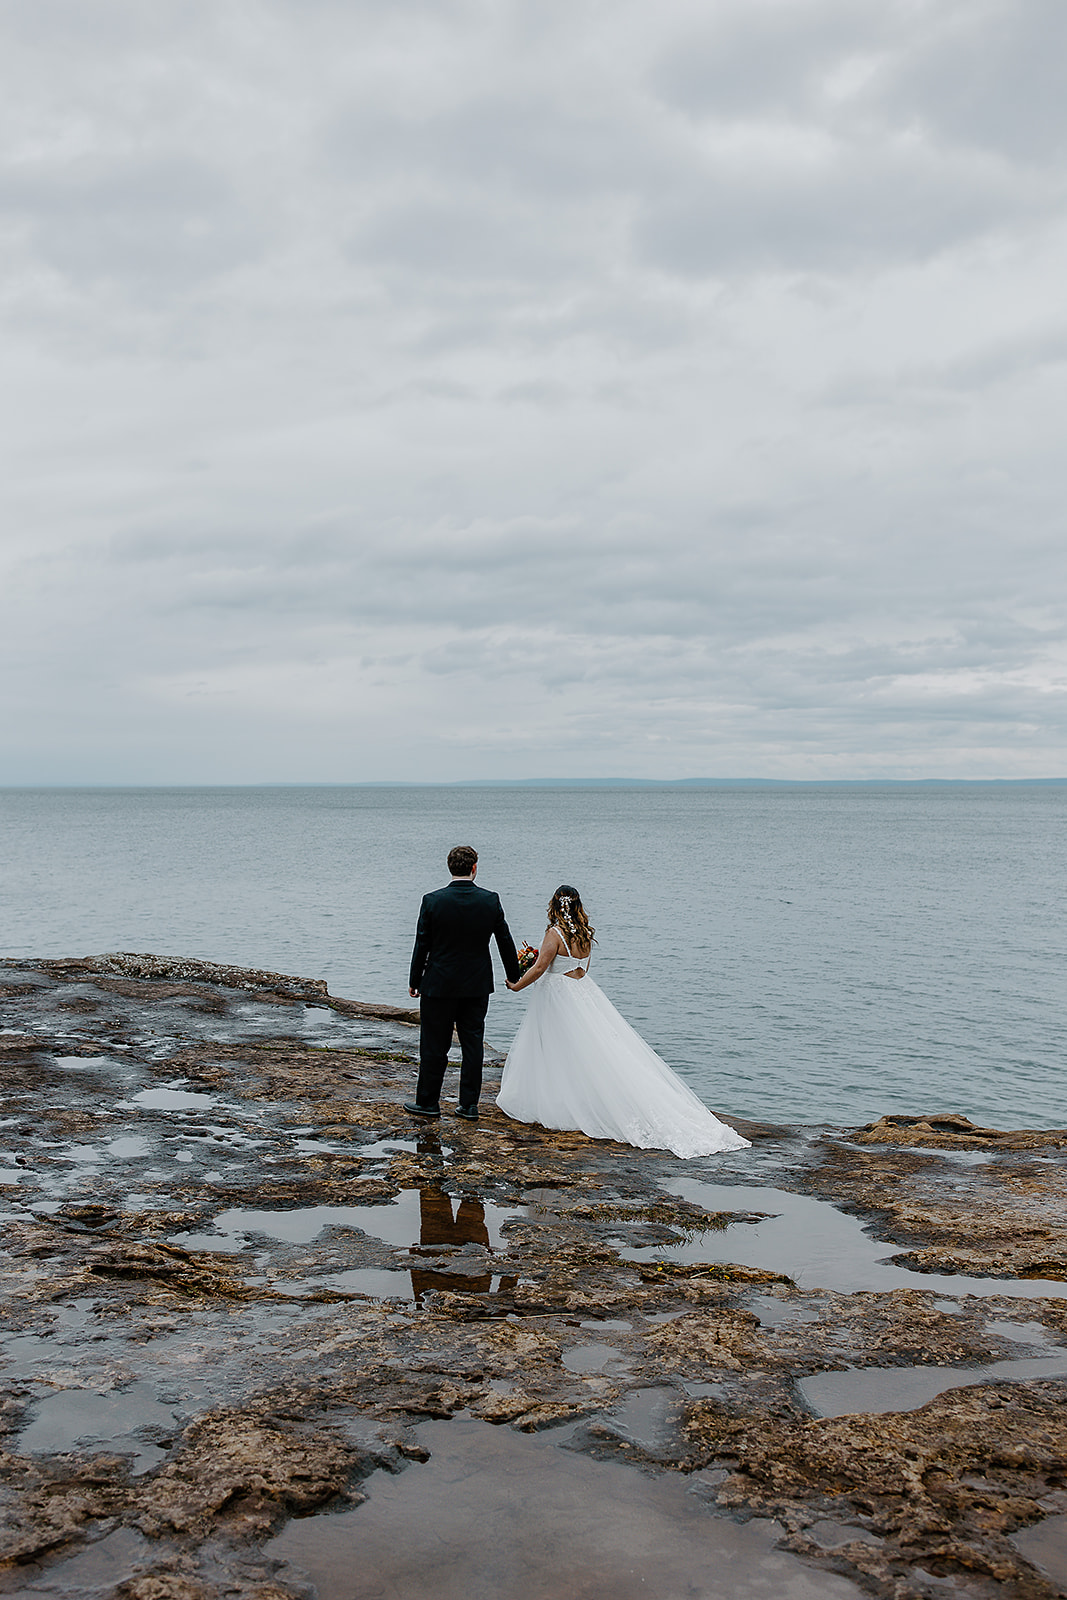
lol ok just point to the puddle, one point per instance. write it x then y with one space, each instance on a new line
831 1535
583 1358
498 1515
166 1099
97 1569
647 1417
817 1246
451 1243
23 1354
385 1147
1028 1333
75 1314
1045 1544
77 1063
232 1136
128 1145
81 1155
881 1389
962 1158
11 1175
775 1313
74 1418
416 1218
377 1283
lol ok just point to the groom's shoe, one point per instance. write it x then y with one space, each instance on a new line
468 1113
421 1111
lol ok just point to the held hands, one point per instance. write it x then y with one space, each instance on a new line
414 993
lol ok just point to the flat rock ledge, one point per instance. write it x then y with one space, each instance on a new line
181 969
949 1131
242 1288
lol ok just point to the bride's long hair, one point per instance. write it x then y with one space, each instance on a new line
566 912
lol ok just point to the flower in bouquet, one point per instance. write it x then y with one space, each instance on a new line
527 956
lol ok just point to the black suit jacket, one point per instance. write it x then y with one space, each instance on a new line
451 956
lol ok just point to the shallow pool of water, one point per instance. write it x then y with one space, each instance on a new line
417 1217
499 1515
816 1245
881 1389
169 1099
92 1572
591 1358
1045 1544
83 1418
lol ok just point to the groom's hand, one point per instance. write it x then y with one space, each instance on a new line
414 993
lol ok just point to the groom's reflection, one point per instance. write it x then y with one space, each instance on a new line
442 1228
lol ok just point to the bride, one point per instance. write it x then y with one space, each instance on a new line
576 1063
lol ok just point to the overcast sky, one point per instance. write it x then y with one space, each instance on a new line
518 387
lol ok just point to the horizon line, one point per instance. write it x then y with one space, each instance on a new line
560 783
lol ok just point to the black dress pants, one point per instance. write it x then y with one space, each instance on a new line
439 1014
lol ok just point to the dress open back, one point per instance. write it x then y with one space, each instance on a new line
576 1063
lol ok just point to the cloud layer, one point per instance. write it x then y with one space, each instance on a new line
473 389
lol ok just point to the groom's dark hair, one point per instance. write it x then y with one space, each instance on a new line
462 859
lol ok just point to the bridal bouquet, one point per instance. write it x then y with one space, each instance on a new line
527 956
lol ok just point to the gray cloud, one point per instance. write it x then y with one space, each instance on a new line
150 223
775 59
666 391
990 75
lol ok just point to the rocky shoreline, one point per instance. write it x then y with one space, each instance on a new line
251 1314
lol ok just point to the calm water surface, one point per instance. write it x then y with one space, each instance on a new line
800 954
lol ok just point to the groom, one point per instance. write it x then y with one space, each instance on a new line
452 972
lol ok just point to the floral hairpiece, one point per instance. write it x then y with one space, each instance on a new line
566 901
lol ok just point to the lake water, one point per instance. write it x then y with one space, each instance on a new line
809 955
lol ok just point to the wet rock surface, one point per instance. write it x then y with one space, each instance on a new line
244 1292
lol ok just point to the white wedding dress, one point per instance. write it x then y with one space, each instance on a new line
576 1063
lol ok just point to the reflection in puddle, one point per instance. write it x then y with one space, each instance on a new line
498 1515
816 1245
377 1283
458 1238
881 1389
415 1216
443 1229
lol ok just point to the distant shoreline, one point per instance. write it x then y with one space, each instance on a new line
578 783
